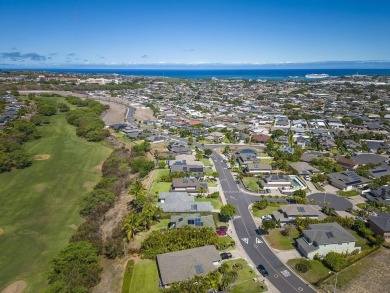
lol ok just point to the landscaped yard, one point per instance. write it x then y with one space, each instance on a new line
348 193
144 277
160 187
160 173
216 202
206 162
245 282
268 210
40 204
225 240
317 271
251 183
361 242
281 242
139 237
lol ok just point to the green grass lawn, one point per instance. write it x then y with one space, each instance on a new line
160 173
317 272
225 240
245 282
217 204
144 277
318 186
208 171
363 205
348 193
251 183
206 162
361 242
266 161
268 210
212 184
278 241
40 204
249 286
160 187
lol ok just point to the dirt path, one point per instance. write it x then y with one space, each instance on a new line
15 287
112 277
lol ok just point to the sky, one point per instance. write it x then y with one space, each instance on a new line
110 33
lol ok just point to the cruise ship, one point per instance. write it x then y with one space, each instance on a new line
322 75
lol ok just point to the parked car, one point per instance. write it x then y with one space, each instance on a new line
221 233
266 217
226 255
262 270
268 190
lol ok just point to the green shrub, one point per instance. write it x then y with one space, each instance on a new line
96 199
303 266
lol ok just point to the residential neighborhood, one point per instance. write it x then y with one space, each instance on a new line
276 175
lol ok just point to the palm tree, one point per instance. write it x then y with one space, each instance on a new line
131 225
137 189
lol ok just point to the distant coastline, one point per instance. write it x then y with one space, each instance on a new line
238 74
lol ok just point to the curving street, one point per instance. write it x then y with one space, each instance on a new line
251 239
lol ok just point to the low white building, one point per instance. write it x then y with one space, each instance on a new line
324 238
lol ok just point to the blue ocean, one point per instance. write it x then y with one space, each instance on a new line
254 74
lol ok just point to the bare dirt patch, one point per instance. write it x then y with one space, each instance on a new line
88 185
98 167
111 279
15 287
1 232
115 115
42 157
73 227
143 114
40 187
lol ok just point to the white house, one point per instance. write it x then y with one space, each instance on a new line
324 238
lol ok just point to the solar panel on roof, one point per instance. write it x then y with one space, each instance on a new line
194 207
301 209
330 234
191 222
199 269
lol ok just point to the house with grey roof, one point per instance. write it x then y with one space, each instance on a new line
288 213
192 220
257 168
380 195
184 265
381 225
347 180
182 166
304 168
324 238
190 185
379 172
181 202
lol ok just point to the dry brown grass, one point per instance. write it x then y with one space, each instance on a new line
1 231
15 287
42 157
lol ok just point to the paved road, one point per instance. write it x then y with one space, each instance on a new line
251 239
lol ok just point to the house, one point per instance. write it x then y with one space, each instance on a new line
257 168
184 265
375 146
379 172
347 180
324 238
304 168
190 185
285 183
260 138
347 163
381 225
247 158
181 202
182 166
380 195
288 213
192 220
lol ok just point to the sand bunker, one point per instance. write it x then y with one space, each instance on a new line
42 157
15 287
1 231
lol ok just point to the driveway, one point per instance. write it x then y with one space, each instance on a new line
331 200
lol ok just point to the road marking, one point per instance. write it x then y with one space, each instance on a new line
276 276
246 240
236 217
300 289
258 240
255 245
286 273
